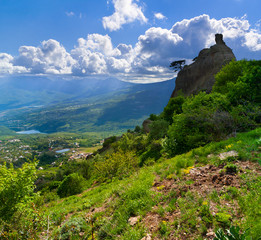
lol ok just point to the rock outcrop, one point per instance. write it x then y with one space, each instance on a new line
200 74
146 124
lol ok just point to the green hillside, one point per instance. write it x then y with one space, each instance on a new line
194 174
5 131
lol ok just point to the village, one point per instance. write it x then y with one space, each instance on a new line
51 152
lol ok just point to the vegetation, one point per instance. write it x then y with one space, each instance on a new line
195 173
72 184
177 65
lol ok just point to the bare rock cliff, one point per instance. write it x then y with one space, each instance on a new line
200 74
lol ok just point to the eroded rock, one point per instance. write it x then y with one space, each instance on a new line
199 75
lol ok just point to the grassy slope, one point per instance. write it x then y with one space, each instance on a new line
186 197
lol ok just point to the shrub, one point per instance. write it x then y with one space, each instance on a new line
158 129
240 81
109 141
16 188
231 169
72 228
117 164
72 184
205 118
174 107
223 218
153 152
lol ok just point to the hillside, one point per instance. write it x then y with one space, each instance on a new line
185 197
194 175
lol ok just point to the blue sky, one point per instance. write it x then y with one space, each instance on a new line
128 39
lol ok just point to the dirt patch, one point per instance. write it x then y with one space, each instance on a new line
206 179
202 181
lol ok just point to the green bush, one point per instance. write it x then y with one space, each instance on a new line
158 129
118 164
72 184
231 169
109 141
223 218
153 152
173 107
240 81
16 188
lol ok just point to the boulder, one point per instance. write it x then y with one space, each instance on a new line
146 124
200 74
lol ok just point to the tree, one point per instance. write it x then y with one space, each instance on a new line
178 65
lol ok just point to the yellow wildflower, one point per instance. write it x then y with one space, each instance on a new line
161 187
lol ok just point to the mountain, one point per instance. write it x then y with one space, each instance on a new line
52 105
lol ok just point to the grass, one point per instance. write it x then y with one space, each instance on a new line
89 149
104 210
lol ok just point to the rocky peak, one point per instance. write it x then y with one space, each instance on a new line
200 74
219 39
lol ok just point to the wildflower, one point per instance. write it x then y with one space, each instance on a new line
229 146
187 170
161 187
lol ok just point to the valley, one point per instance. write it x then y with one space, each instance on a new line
95 106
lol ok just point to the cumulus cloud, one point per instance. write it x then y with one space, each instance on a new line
96 55
198 32
253 40
7 67
50 58
159 16
147 60
155 50
126 11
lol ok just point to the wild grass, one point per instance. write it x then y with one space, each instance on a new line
110 205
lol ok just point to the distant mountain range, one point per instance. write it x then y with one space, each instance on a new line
79 105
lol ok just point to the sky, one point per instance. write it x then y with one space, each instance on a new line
133 40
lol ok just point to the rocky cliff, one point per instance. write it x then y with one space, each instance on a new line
200 74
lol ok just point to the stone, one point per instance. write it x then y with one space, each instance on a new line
133 220
211 234
225 155
146 124
200 74
147 237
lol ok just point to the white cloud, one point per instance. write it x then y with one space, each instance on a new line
96 55
148 60
155 50
159 16
253 40
69 14
126 11
97 43
7 67
198 32
50 57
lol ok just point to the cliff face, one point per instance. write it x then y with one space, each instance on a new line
200 74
